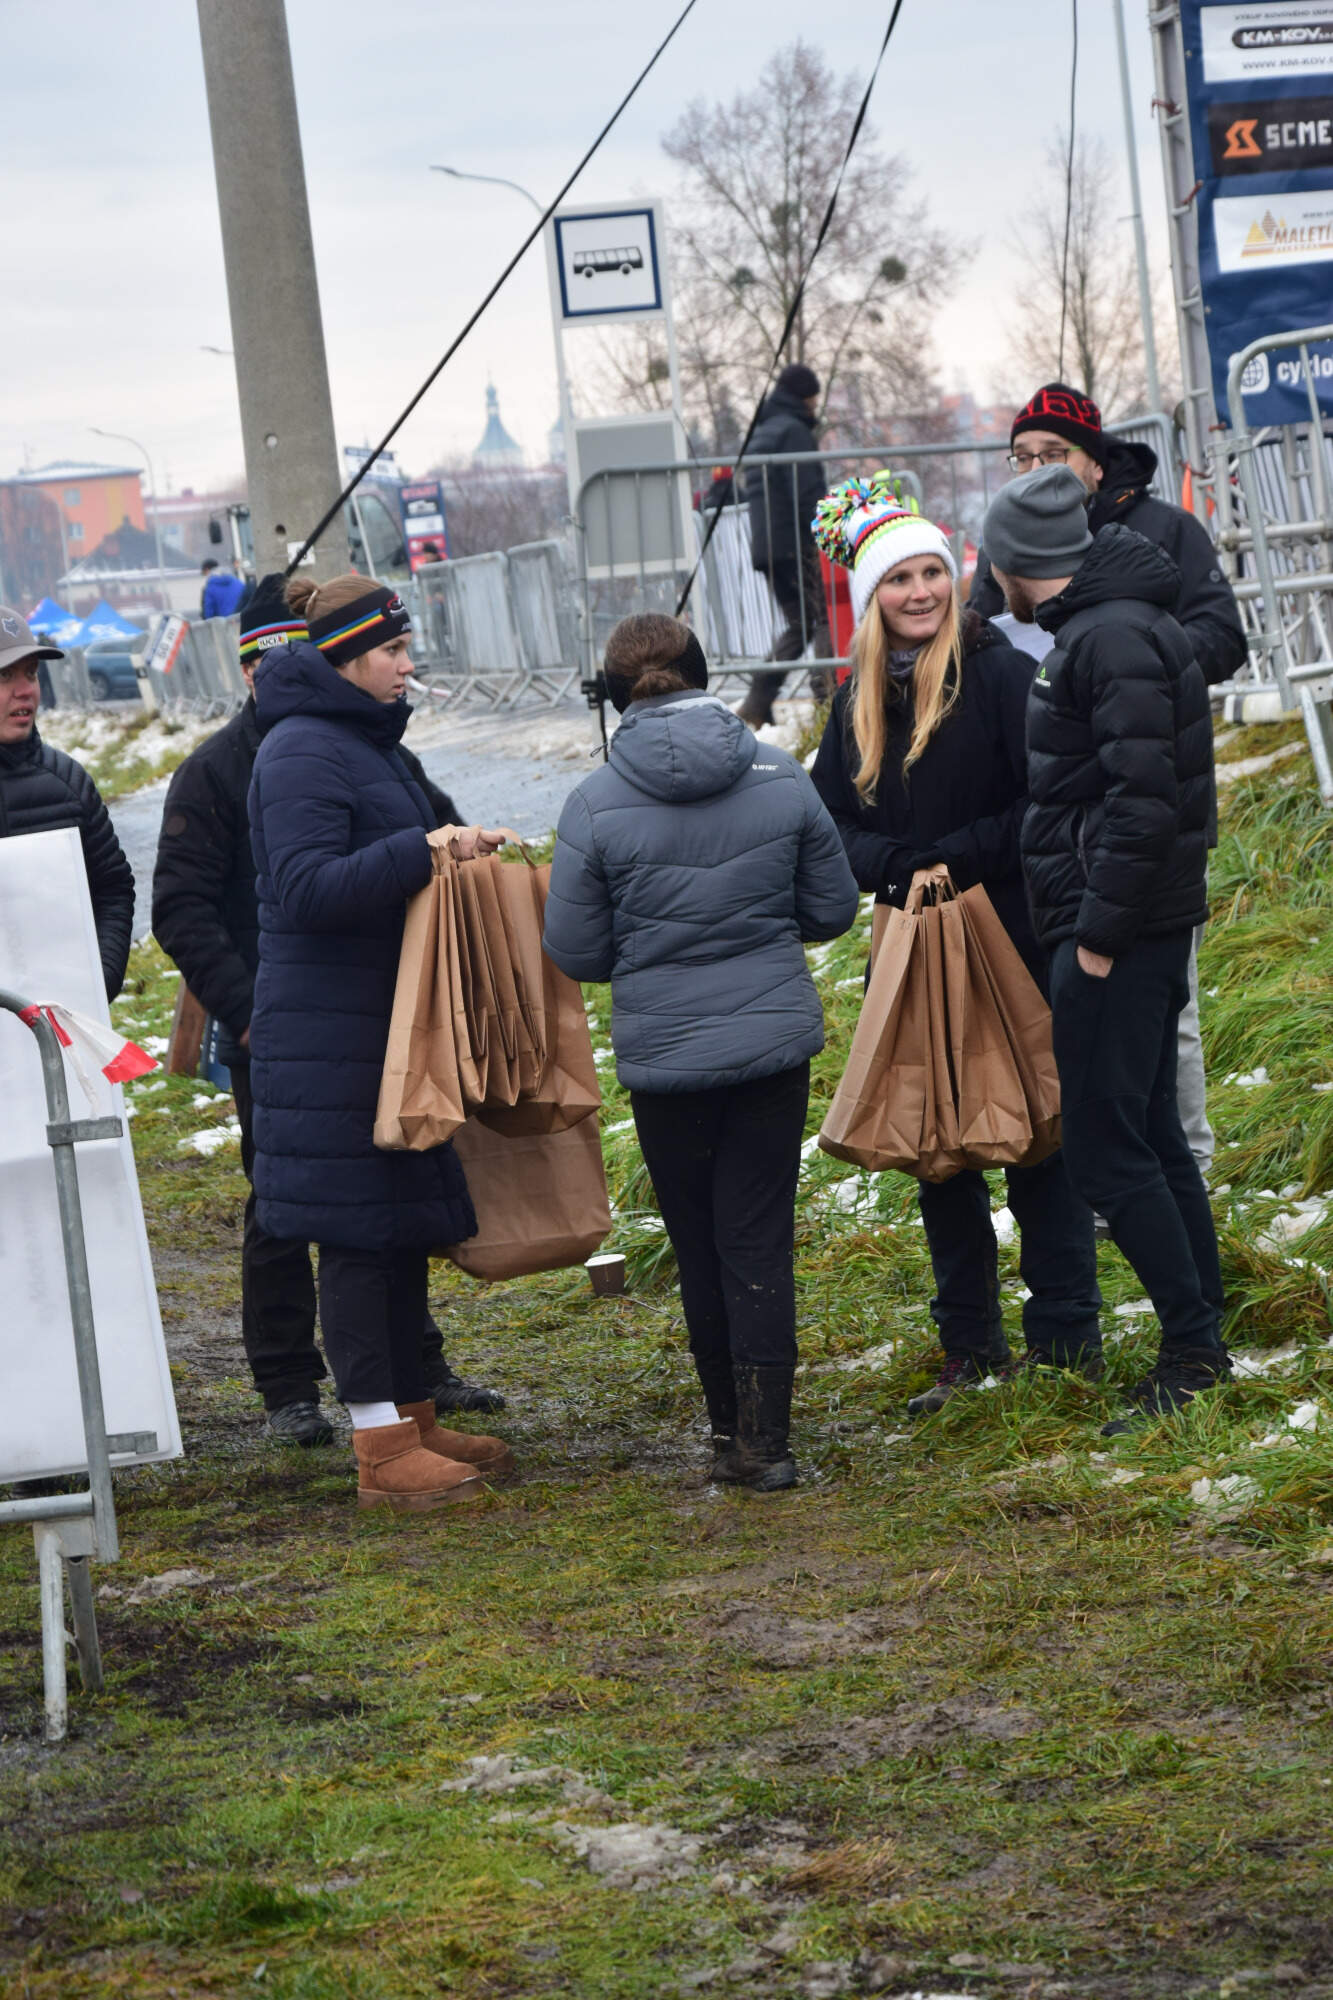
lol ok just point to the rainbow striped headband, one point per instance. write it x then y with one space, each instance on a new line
278 632
356 628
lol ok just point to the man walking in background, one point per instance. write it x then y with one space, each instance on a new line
42 790
1115 848
782 501
206 918
224 592
1060 426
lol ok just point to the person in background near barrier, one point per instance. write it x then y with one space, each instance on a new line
782 501
1115 849
224 591
206 919
1058 426
688 871
42 790
338 824
923 760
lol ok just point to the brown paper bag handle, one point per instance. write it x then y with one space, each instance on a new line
439 840
934 884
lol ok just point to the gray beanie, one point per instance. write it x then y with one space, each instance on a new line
1037 526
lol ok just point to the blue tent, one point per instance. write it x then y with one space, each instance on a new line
103 622
53 622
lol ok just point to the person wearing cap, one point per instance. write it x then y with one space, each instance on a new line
206 919
339 829
42 790
1115 851
688 870
782 499
1060 426
923 760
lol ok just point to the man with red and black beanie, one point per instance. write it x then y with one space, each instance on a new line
206 918
1060 426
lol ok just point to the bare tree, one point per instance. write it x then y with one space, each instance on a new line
499 509
758 173
1103 351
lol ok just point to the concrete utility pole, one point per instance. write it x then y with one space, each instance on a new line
291 457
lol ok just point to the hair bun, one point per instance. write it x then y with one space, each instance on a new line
299 592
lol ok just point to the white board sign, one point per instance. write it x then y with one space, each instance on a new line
1266 38
607 262
48 952
1257 232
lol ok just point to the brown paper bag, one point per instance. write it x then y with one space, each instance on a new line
431 1073
540 1198
186 1040
1026 1019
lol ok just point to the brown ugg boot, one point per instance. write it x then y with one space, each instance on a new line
395 1471
490 1457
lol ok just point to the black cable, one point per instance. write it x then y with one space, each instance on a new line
785 335
509 268
1069 198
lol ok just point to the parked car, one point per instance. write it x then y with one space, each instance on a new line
111 664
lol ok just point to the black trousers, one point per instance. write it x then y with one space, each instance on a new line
1115 1048
798 585
724 1165
1057 1257
278 1291
371 1306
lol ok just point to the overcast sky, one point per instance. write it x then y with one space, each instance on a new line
109 228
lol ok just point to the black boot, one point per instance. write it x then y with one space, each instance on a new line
719 1387
761 1458
1079 1357
450 1392
1177 1377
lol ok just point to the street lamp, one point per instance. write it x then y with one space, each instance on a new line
496 180
119 437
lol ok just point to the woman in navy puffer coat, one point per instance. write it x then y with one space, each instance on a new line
339 828
688 872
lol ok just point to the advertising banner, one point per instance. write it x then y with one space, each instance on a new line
1261 121
423 522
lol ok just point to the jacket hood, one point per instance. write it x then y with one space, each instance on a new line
679 747
298 680
1127 472
1119 564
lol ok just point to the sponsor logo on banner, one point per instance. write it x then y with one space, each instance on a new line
1274 136
1256 232
1255 379
1276 38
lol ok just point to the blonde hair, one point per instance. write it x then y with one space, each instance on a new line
935 684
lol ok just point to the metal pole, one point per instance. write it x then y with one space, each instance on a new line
291 457
1136 217
51 1580
1183 237
119 437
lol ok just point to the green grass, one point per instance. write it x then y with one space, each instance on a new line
124 751
991 1685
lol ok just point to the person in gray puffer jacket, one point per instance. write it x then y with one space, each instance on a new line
689 871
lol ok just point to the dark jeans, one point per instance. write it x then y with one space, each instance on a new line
724 1165
278 1291
1115 1048
798 585
1057 1257
371 1306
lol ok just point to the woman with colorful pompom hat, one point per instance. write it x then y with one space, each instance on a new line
924 760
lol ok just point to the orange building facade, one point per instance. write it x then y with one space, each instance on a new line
94 500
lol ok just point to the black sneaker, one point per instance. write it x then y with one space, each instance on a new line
300 1423
960 1371
1180 1374
450 1392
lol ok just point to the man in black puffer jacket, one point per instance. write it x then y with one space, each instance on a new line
42 790
1115 847
782 501
206 918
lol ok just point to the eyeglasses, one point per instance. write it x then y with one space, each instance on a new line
1051 454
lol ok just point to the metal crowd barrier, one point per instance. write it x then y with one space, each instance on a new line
1273 490
501 627
639 535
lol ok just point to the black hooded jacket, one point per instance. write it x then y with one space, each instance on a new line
42 790
963 800
1204 606
205 910
779 526
1120 756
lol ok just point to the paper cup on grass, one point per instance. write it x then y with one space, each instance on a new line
607 1273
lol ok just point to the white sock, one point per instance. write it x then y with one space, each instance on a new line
369 1416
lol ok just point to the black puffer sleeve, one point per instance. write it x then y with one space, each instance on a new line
110 882
201 824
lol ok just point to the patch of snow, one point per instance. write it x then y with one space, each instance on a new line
214 1138
1250 1079
1002 1222
810 1146
873 1357
1124 1475
602 1057
1290 1223
209 1100
142 1089
1246 767
1321 1086
1133 1309
154 1045
625 1125
1267 1361
632 1856
1233 1490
